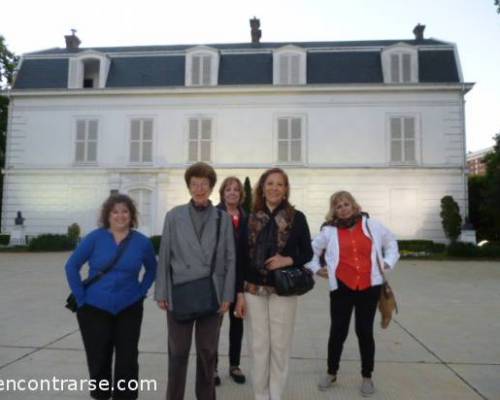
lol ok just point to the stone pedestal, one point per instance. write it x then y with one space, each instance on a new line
468 236
18 236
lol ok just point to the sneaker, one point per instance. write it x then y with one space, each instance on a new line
237 375
326 381
367 388
217 380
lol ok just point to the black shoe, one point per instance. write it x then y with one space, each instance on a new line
217 380
237 375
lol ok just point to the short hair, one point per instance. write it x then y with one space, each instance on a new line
201 170
226 182
259 203
335 198
113 200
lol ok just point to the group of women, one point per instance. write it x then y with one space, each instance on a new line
238 253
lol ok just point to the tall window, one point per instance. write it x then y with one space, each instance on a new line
289 67
401 68
86 141
200 140
290 139
201 69
141 140
403 141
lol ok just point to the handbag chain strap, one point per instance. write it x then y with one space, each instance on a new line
121 249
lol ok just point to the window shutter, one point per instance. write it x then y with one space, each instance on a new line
92 129
396 152
206 129
283 129
92 151
406 68
135 127
80 130
395 68
135 137
195 70
294 69
147 129
147 151
409 140
206 70
193 140
283 69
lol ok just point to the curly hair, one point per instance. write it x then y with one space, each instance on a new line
226 182
259 203
335 198
113 200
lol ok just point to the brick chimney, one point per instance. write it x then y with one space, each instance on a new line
256 32
418 31
72 41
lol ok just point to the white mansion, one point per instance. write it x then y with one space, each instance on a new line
383 119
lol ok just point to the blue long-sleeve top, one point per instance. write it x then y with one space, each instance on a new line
121 286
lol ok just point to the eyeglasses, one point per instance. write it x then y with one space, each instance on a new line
199 185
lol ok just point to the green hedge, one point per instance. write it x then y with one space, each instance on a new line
417 246
156 243
4 240
51 242
469 250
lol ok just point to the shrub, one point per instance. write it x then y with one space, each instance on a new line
417 246
156 240
51 242
74 233
4 240
247 203
450 218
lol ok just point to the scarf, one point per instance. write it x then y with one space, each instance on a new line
347 223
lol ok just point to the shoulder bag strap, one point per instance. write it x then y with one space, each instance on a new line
121 249
376 252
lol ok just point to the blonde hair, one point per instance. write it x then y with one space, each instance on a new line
335 198
226 182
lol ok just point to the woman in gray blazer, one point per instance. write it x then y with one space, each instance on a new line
187 245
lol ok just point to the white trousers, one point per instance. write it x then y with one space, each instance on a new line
269 330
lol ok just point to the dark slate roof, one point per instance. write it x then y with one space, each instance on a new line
253 68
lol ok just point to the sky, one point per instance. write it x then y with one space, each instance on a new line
473 25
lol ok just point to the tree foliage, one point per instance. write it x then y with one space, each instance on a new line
450 218
490 207
247 204
497 3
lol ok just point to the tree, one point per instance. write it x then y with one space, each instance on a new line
247 204
477 186
8 63
490 209
450 218
497 3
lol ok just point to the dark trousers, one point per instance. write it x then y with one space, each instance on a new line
104 333
235 338
179 343
342 302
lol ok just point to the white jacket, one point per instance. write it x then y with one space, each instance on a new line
384 250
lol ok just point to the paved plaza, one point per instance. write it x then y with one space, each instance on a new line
444 343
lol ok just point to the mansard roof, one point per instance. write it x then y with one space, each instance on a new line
240 64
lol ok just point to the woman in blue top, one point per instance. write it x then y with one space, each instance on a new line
110 310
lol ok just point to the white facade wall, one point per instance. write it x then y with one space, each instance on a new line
346 146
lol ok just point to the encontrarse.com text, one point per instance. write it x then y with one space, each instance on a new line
55 384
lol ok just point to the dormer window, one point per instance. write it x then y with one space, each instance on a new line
88 70
289 66
400 64
202 66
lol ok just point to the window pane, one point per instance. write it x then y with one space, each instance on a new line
283 128
193 151
134 152
410 150
147 151
395 128
80 152
80 130
206 129
396 150
135 129
282 150
205 151
92 151
93 129
147 129
294 68
206 70
296 127
296 150
193 129
283 69
394 68
406 68
195 70
409 125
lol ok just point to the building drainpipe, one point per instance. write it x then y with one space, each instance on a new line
465 171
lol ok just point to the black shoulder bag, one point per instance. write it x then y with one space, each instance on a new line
71 303
198 298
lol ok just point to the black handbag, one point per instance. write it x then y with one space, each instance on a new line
293 281
196 299
71 303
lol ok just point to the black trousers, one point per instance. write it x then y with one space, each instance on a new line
235 338
179 343
342 302
104 334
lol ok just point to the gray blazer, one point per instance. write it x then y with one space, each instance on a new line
190 257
